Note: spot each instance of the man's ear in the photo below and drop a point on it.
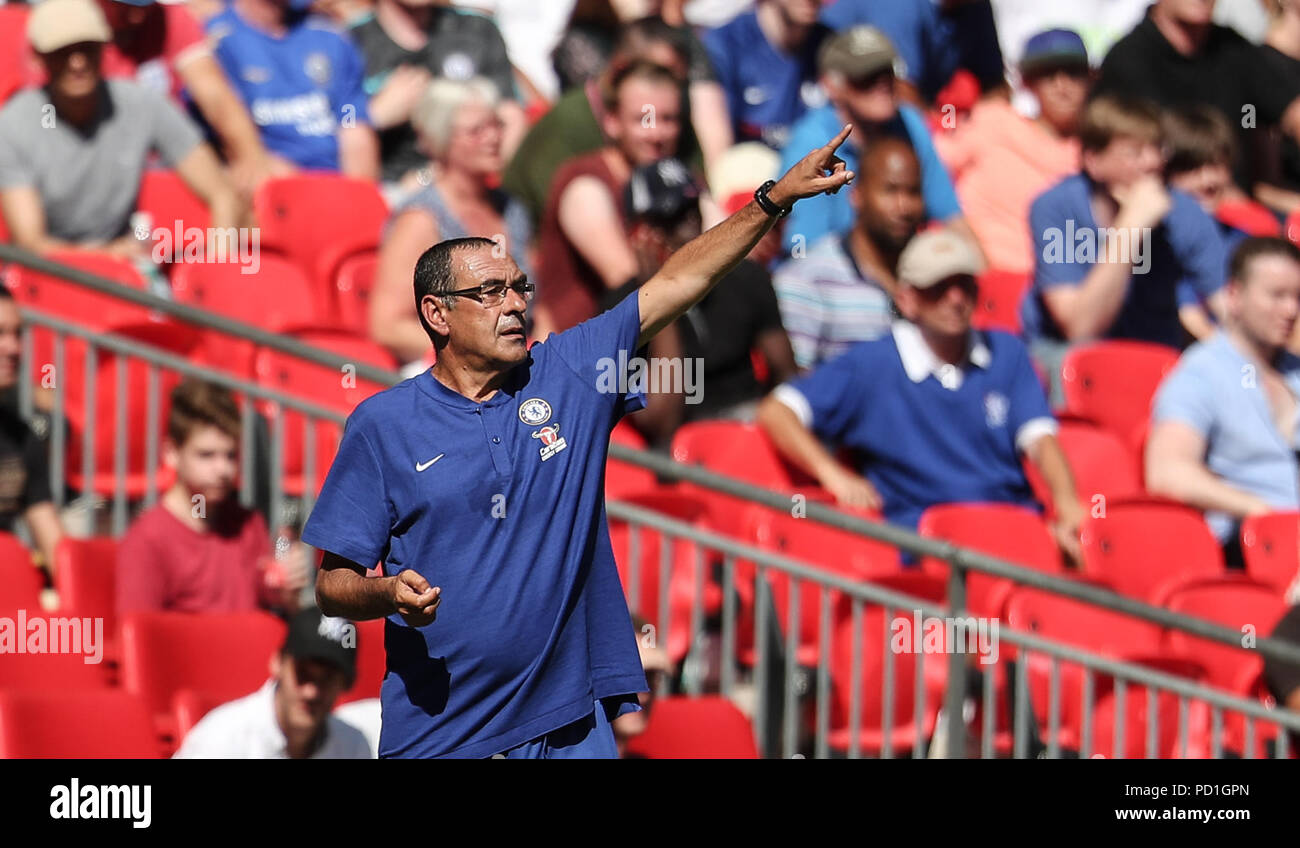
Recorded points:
(170, 454)
(274, 665)
(905, 299)
(609, 124)
(435, 313)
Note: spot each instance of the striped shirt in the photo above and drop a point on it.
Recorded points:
(827, 305)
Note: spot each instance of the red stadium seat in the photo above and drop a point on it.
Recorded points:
(167, 200)
(624, 478)
(1101, 462)
(1002, 530)
(998, 303)
(371, 662)
(830, 550)
(289, 213)
(676, 638)
(707, 727)
(224, 655)
(332, 388)
(1270, 545)
(353, 281)
(188, 709)
(1112, 383)
(106, 724)
(84, 574)
(56, 672)
(1145, 549)
(1293, 227)
(1249, 216)
(15, 54)
(1233, 602)
(20, 582)
(1137, 706)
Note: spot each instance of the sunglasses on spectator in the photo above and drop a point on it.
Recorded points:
(869, 82)
(937, 291)
(491, 294)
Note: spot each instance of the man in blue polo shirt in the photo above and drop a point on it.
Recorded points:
(1113, 244)
(302, 82)
(481, 480)
(940, 413)
(766, 62)
(858, 72)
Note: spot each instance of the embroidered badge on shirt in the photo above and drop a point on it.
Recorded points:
(552, 441)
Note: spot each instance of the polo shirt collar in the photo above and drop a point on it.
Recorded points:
(434, 388)
(920, 362)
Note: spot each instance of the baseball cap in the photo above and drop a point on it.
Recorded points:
(739, 170)
(660, 191)
(55, 24)
(313, 636)
(936, 255)
(858, 52)
(1051, 49)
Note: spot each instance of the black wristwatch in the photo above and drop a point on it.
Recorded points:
(766, 203)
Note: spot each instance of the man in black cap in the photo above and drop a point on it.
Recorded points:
(290, 716)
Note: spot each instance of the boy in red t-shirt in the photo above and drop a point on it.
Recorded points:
(198, 549)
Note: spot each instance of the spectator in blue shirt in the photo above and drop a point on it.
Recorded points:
(934, 39)
(766, 62)
(857, 71)
(841, 292)
(1113, 244)
(940, 413)
(1224, 422)
(301, 79)
(482, 478)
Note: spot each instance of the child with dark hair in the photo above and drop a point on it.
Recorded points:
(198, 549)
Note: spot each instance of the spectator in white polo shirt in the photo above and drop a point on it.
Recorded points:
(290, 716)
(939, 412)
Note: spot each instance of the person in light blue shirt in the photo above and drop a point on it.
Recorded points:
(301, 79)
(858, 72)
(1224, 423)
(478, 488)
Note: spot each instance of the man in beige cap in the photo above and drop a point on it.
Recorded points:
(72, 154)
(940, 412)
(859, 71)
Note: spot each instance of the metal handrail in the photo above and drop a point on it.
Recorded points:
(962, 558)
(192, 314)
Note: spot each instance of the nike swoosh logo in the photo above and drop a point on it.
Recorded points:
(420, 466)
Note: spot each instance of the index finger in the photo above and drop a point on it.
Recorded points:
(835, 143)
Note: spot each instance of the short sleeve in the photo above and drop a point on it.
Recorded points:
(701, 60)
(15, 167)
(496, 59)
(767, 311)
(1200, 247)
(834, 393)
(349, 97)
(351, 517)
(801, 310)
(1030, 412)
(37, 466)
(175, 136)
(1047, 217)
(141, 575)
(600, 350)
(936, 186)
(714, 42)
(184, 39)
(1186, 397)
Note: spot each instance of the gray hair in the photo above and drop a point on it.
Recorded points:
(435, 113)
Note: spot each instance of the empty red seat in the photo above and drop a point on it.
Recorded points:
(317, 219)
(1270, 546)
(60, 652)
(20, 582)
(1002, 530)
(1112, 383)
(107, 724)
(707, 727)
(624, 478)
(1235, 602)
(353, 281)
(168, 201)
(84, 574)
(339, 389)
(997, 306)
(1144, 549)
(1102, 463)
(224, 655)
(372, 663)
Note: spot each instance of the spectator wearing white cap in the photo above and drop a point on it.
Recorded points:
(940, 412)
(72, 154)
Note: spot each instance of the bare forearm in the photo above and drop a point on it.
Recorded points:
(343, 592)
(1049, 459)
(1194, 485)
(794, 441)
(1097, 301)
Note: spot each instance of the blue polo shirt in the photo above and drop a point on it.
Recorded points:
(1210, 391)
(929, 432)
(1185, 255)
(298, 88)
(500, 503)
(767, 89)
(816, 217)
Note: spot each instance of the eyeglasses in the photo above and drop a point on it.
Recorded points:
(491, 294)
